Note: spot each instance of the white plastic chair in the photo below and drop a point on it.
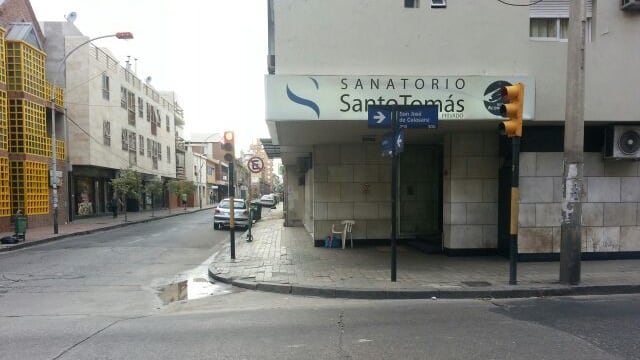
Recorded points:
(346, 231)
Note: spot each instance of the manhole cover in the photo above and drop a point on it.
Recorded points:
(476, 283)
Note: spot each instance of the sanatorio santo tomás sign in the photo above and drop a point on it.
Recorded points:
(311, 97)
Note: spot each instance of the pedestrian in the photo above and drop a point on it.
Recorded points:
(183, 197)
(114, 206)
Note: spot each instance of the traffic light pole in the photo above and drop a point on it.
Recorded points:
(513, 228)
(232, 194)
(394, 195)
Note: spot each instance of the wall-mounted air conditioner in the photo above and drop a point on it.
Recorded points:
(630, 4)
(622, 142)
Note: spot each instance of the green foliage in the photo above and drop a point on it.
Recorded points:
(178, 187)
(128, 184)
(154, 187)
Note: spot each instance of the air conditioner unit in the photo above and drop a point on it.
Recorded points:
(622, 142)
(630, 4)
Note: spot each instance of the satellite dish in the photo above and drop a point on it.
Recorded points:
(148, 79)
(71, 17)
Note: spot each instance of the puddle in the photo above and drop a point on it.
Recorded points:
(190, 285)
(190, 289)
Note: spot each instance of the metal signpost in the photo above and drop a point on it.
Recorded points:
(255, 165)
(399, 118)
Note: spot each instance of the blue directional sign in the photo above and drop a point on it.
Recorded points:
(379, 118)
(399, 141)
(418, 117)
(388, 142)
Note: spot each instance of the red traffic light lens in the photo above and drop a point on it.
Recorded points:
(228, 136)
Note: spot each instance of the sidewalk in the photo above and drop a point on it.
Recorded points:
(45, 234)
(284, 260)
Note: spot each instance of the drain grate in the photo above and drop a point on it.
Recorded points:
(476, 283)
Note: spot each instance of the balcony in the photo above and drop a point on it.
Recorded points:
(180, 146)
(180, 173)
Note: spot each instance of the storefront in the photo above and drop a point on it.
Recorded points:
(91, 191)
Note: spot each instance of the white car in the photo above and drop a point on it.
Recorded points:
(268, 201)
(240, 210)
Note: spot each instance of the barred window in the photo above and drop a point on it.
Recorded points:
(105, 86)
(106, 132)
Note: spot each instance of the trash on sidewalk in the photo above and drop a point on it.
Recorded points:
(332, 242)
(11, 239)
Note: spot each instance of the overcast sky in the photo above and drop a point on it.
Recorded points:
(212, 53)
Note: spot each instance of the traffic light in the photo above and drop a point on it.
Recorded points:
(513, 97)
(228, 146)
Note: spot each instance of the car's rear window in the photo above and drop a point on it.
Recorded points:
(237, 204)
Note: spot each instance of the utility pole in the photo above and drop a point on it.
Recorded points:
(572, 176)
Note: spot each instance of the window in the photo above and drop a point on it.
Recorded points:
(123, 97)
(140, 107)
(125, 139)
(438, 3)
(168, 154)
(141, 145)
(410, 4)
(106, 132)
(131, 108)
(168, 123)
(549, 20)
(105, 86)
(148, 147)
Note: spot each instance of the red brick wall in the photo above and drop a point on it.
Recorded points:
(19, 11)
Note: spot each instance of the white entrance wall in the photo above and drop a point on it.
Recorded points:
(351, 181)
(470, 186)
(609, 209)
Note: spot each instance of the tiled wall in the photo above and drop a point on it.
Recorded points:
(610, 215)
(351, 181)
(470, 185)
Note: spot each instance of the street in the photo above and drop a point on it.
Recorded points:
(141, 292)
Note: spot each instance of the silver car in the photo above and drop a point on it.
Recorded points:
(240, 211)
(268, 201)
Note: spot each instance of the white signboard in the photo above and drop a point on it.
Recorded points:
(310, 97)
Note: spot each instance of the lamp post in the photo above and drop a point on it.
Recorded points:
(204, 153)
(54, 163)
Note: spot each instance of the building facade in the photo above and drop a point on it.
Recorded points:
(26, 113)
(330, 60)
(114, 120)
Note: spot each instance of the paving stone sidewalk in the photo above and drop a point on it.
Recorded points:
(283, 259)
(42, 234)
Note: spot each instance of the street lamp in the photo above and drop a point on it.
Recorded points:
(54, 164)
(204, 152)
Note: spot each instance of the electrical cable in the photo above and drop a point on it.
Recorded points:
(510, 4)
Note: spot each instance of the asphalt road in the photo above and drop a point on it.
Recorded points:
(117, 295)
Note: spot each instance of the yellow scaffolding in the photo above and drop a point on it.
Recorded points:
(5, 197)
(25, 68)
(3, 66)
(30, 187)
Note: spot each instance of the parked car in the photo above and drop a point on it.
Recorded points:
(268, 201)
(222, 211)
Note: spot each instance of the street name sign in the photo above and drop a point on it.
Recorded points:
(418, 117)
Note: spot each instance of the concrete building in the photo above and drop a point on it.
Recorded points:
(210, 145)
(114, 119)
(331, 59)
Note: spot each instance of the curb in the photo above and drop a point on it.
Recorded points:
(405, 294)
(91, 231)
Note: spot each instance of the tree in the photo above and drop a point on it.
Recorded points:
(182, 189)
(154, 188)
(127, 186)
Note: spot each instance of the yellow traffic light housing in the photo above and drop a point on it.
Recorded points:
(228, 146)
(512, 108)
